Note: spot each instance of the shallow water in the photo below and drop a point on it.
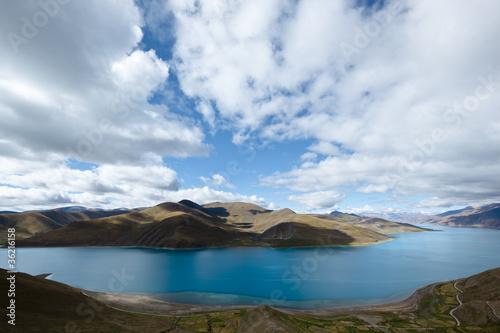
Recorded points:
(304, 278)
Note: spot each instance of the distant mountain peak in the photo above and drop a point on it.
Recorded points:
(8, 212)
(458, 211)
(285, 210)
(487, 216)
(191, 204)
(336, 212)
(72, 208)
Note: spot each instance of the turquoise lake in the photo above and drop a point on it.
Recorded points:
(305, 278)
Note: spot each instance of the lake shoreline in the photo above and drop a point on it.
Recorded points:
(202, 248)
(144, 305)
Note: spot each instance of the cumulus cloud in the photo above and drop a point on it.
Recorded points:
(334, 172)
(50, 184)
(254, 60)
(217, 181)
(80, 87)
(320, 200)
(402, 97)
(411, 108)
(325, 148)
(75, 85)
(309, 156)
(19, 199)
(206, 195)
(274, 205)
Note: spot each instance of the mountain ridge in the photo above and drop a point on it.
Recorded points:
(487, 216)
(336, 212)
(31, 223)
(186, 224)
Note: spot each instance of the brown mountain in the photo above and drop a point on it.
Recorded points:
(189, 225)
(285, 228)
(28, 224)
(169, 225)
(487, 216)
(373, 223)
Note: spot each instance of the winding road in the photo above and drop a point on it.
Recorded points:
(498, 277)
(493, 309)
(488, 302)
(460, 303)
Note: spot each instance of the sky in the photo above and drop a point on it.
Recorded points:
(317, 105)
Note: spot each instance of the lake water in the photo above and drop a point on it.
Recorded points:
(305, 278)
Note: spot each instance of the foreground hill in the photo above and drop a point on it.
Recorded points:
(487, 216)
(189, 225)
(48, 306)
(336, 212)
(28, 224)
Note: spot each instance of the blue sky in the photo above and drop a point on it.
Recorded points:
(361, 106)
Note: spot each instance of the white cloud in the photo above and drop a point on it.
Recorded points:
(320, 200)
(383, 118)
(287, 78)
(142, 69)
(217, 180)
(366, 210)
(309, 156)
(333, 172)
(206, 195)
(80, 87)
(50, 184)
(436, 202)
(325, 148)
(274, 205)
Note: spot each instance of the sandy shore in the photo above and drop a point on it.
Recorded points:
(144, 305)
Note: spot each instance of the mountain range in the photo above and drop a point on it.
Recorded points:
(31, 223)
(336, 212)
(487, 216)
(188, 225)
